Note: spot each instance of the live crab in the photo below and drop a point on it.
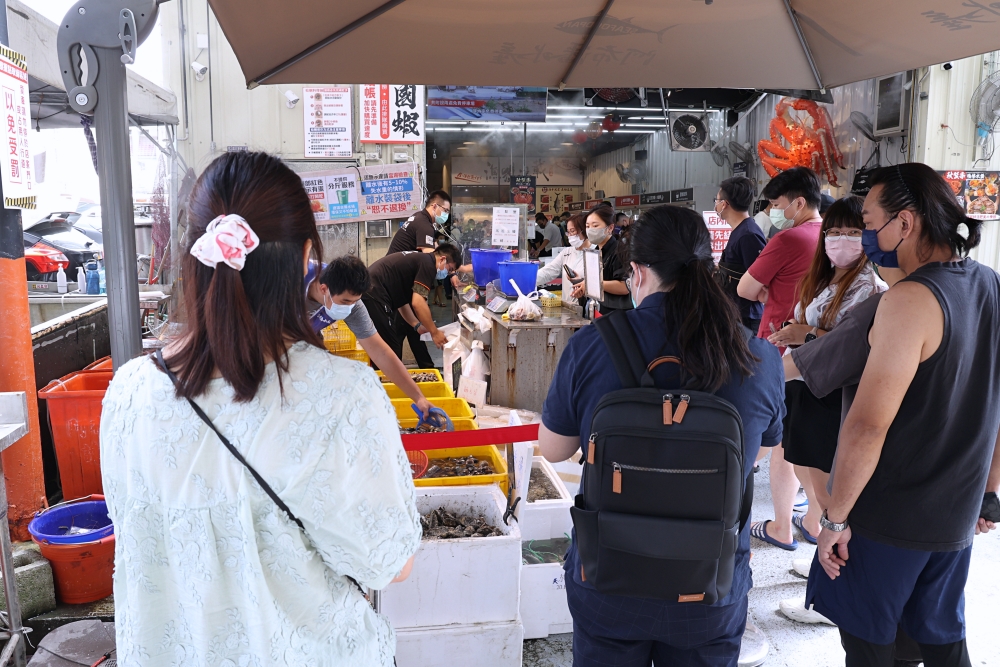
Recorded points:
(810, 145)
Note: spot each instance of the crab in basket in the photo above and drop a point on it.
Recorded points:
(810, 140)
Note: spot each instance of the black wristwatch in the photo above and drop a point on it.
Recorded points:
(991, 507)
(812, 335)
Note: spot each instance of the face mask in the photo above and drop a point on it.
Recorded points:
(441, 218)
(337, 311)
(843, 251)
(632, 292)
(884, 258)
(575, 241)
(596, 236)
(441, 274)
(778, 218)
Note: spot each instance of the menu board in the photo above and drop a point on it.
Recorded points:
(327, 122)
(976, 192)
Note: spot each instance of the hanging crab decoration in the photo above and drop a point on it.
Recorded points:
(810, 141)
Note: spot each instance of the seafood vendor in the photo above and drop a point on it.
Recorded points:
(339, 290)
(400, 286)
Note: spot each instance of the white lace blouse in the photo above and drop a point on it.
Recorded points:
(866, 284)
(208, 570)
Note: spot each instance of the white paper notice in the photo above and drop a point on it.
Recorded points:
(505, 224)
(327, 122)
(16, 166)
(474, 391)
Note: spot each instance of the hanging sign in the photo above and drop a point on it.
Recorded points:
(369, 193)
(392, 114)
(651, 198)
(977, 192)
(626, 201)
(16, 170)
(719, 230)
(327, 122)
(522, 191)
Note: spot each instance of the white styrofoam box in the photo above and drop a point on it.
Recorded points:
(470, 580)
(544, 610)
(569, 472)
(479, 644)
(547, 519)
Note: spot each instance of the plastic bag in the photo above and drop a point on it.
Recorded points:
(523, 309)
(453, 351)
(477, 366)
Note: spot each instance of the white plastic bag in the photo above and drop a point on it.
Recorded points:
(454, 350)
(476, 366)
(523, 309)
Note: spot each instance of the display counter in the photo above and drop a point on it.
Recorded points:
(524, 355)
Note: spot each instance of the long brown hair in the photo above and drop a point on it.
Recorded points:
(844, 212)
(238, 319)
(579, 223)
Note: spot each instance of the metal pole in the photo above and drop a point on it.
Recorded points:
(118, 219)
(524, 147)
(10, 580)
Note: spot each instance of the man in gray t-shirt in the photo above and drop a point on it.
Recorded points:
(337, 288)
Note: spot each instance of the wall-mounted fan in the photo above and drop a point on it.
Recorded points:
(615, 95)
(984, 107)
(719, 154)
(689, 132)
(631, 173)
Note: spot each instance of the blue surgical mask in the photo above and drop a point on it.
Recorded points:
(337, 311)
(441, 274)
(887, 259)
(441, 218)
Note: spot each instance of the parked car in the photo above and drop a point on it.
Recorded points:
(52, 241)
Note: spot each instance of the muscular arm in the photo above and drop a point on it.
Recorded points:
(896, 351)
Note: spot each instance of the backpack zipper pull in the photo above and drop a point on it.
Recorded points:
(668, 409)
(682, 408)
(590, 448)
(616, 479)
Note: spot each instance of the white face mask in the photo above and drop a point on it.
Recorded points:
(597, 235)
(575, 241)
(338, 311)
(778, 218)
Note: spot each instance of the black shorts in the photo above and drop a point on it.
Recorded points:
(811, 426)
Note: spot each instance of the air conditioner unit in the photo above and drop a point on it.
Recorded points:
(892, 104)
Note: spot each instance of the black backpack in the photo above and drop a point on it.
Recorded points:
(664, 497)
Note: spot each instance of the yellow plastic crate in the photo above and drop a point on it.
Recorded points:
(460, 424)
(489, 452)
(453, 407)
(431, 390)
(415, 371)
(338, 338)
(357, 354)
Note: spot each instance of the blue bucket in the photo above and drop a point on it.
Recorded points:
(523, 273)
(484, 263)
(59, 524)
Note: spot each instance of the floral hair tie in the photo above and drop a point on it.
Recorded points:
(227, 239)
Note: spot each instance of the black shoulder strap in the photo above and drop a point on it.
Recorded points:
(239, 457)
(619, 338)
(747, 502)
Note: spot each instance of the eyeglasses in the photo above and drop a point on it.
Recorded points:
(838, 232)
(717, 200)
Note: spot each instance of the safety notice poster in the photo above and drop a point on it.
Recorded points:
(327, 121)
(16, 168)
(382, 192)
(392, 114)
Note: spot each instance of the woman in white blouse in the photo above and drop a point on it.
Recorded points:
(571, 257)
(212, 566)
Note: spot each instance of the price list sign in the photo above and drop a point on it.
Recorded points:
(327, 122)
(15, 171)
(976, 192)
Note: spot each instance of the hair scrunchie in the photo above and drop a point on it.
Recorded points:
(227, 239)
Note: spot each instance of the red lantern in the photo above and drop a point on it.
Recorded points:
(594, 130)
(611, 122)
(579, 137)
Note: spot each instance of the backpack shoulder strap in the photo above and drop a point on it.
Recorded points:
(619, 338)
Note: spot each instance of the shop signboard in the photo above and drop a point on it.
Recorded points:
(391, 114)
(520, 104)
(627, 201)
(719, 230)
(327, 122)
(679, 196)
(740, 169)
(652, 198)
(522, 191)
(368, 193)
(976, 192)
(591, 203)
(576, 206)
(16, 171)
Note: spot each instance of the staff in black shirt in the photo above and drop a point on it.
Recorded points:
(600, 230)
(401, 283)
(418, 232)
(732, 204)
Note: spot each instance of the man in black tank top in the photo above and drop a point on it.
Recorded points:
(918, 459)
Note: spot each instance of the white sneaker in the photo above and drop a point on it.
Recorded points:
(801, 566)
(753, 647)
(796, 611)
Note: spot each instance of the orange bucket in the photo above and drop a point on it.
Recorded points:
(82, 572)
(74, 405)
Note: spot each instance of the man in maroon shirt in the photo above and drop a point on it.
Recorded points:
(773, 280)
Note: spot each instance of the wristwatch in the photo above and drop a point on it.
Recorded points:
(812, 334)
(829, 525)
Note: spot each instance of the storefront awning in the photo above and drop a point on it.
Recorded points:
(34, 36)
(805, 44)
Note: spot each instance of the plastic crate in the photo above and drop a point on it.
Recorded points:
(430, 390)
(74, 407)
(460, 424)
(102, 364)
(415, 371)
(453, 407)
(338, 338)
(357, 354)
(490, 452)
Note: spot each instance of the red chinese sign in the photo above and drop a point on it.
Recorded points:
(18, 186)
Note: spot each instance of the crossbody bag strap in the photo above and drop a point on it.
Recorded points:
(239, 457)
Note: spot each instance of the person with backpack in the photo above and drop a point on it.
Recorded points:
(670, 403)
